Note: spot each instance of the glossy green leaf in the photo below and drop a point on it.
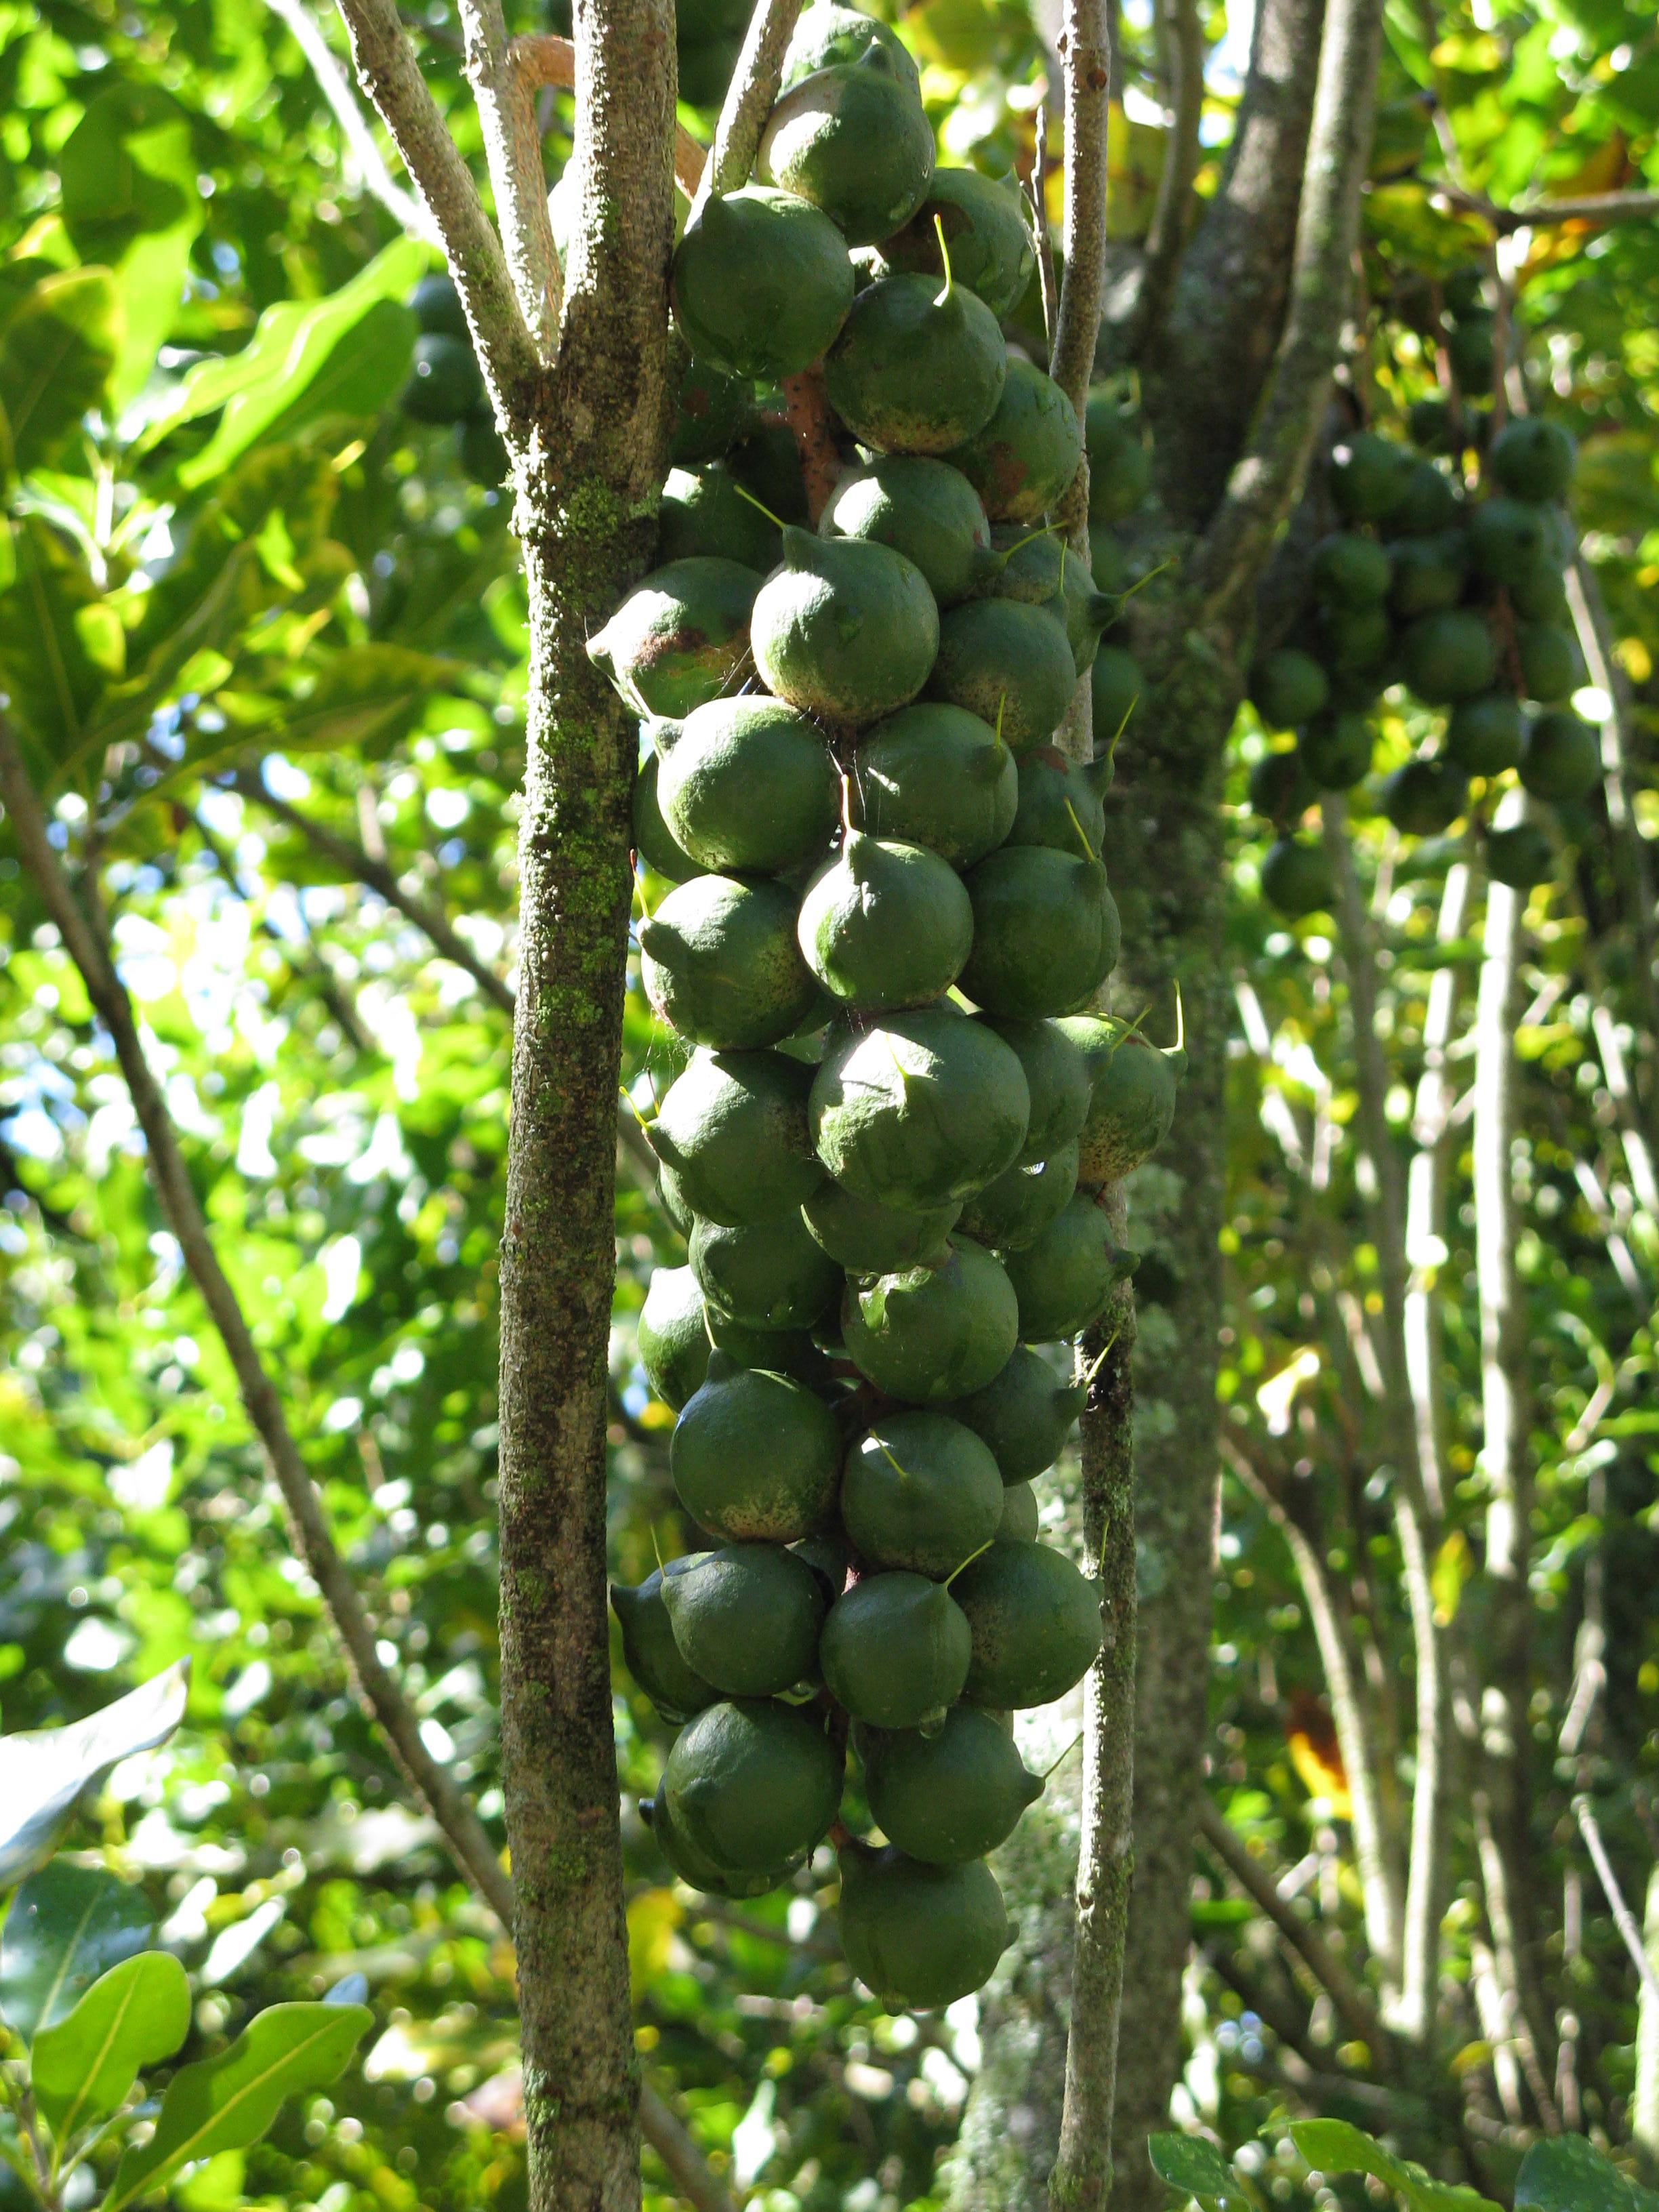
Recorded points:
(45, 1773)
(290, 347)
(68, 1925)
(130, 202)
(364, 372)
(53, 680)
(226, 2102)
(134, 2016)
(1567, 2174)
(1337, 2147)
(57, 352)
(1191, 2164)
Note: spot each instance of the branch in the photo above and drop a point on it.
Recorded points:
(1425, 1195)
(748, 99)
(1353, 2007)
(1509, 1868)
(390, 76)
(687, 2167)
(319, 974)
(1166, 235)
(1597, 207)
(1081, 2180)
(1372, 1082)
(541, 57)
(1265, 481)
(1413, 2013)
(1072, 361)
(813, 426)
(469, 1845)
(1619, 754)
(356, 864)
(378, 180)
(1229, 298)
(1623, 1918)
(1378, 1876)
(513, 150)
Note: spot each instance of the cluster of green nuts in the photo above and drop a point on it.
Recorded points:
(888, 921)
(1462, 601)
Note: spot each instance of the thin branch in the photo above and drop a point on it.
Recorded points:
(378, 180)
(1425, 1195)
(1379, 1878)
(470, 1847)
(1353, 2007)
(1084, 51)
(1266, 479)
(513, 150)
(748, 99)
(541, 57)
(1081, 2180)
(1166, 235)
(1623, 1918)
(687, 2167)
(1594, 209)
(1036, 201)
(390, 76)
(319, 973)
(1412, 2012)
(813, 426)
(1621, 757)
(1372, 1083)
(355, 863)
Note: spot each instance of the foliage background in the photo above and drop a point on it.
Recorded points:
(304, 596)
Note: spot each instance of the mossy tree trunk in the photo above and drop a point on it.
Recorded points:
(586, 518)
(575, 361)
(1164, 853)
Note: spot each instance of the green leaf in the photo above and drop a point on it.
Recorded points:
(1337, 2147)
(366, 694)
(53, 680)
(45, 1773)
(224, 2103)
(68, 1924)
(130, 201)
(57, 352)
(1195, 2166)
(1567, 2174)
(363, 374)
(133, 2016)
(291, 344)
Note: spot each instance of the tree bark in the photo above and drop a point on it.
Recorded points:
(587, 492)
(1165, 850)
(1227, 303)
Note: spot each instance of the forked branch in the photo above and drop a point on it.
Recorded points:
(513, 150)
(391, 77)
(1268, 475)
(541, 57)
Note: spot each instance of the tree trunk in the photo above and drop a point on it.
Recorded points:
(1164, 848)
(586, 518)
